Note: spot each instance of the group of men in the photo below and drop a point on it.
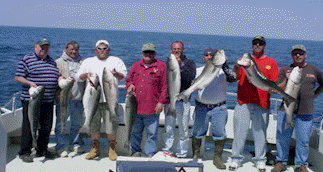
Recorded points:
(147, 80)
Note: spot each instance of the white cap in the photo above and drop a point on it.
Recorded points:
(102, 42)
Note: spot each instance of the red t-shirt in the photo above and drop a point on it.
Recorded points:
(150, 85)
(248, 93)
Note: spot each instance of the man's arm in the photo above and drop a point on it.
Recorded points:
(24, 81)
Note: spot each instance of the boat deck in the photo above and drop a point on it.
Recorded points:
(76, 162)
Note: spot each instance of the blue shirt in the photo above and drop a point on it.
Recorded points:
(43, 72)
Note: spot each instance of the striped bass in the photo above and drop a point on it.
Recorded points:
(36, 94)
(258, 79)
(64, 96)
(210, 70)
(91, 100)
(130, 112)
(292, 88)
(174, 81)
(110, 89)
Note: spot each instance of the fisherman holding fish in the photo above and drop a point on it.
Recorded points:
(311, 85)
(106, 71)
(147, 80)
(211, 107)
(69, 101)
(38, 74)
(253, 103)
(179, 110)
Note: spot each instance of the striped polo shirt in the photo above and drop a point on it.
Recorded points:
(41, 72)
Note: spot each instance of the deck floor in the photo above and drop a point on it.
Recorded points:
(103, 164)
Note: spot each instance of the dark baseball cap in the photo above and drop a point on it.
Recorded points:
(261, 38)
(43, 41)
(209, 51)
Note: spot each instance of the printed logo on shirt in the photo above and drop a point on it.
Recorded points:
(268, 67)
(310, 76)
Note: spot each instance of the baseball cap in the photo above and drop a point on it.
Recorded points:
(102, 42)
(209, 51)
(259, 38)
(43, 41)
(148, 47)
(299, 47)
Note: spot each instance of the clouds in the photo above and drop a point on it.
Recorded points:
(185, 17)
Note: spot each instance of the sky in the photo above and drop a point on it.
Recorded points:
(280, 19)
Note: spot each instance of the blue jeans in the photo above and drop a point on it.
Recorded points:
(183, 116)
(65, 138)
(243, 114)
(151, 123)
(218, 117)
(303, 127)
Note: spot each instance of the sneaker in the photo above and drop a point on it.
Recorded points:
(136, 154)
(79, 149)
(64, 154)
(234, 166)
(26, 158)
(279, 167)
(49, 155)
(261, 166)
(301, 169)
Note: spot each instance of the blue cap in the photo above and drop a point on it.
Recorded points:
(209, 51)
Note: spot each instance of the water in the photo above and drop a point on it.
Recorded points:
(15, 42)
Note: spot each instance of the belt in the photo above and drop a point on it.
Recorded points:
(211, 106)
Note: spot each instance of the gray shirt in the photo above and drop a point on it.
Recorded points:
(312, 77)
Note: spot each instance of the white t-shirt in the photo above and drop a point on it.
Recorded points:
(216, 91)
(95, 65)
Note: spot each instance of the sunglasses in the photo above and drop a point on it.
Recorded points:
(301, 53)
(148, 52)
(101, 49)
(258, 42)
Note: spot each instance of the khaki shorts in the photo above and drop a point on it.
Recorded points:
(102, 121)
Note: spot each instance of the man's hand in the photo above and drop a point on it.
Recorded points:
(159, 107)
(116, 74)
(131, 89)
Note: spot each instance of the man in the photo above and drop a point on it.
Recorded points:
(252, 104)
(211, 107)
(148, 81)
(68, 65)
(95, 66)
(188, 72)
(37, 69)
(303, 118)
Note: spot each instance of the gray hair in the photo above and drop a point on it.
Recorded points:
(73, 43)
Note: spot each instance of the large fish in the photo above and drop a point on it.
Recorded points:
(292, 88)
(110, 89)
(210, 70)
(174, 81)
(130, 112)
(36, 94)
(91, 100)
(64, 95)
(258, 79)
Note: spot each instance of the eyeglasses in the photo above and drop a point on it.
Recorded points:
(301, 53)
(208, 54)
(102, 49)
(148, 52)
(258, 42)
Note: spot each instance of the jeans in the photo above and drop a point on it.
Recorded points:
(45, 122)
(69, 138)
(182, 116)
(243, 114)
(303, 127)
(151, 123)
(218, 117)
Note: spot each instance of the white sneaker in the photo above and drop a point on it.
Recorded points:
(79, 149)
(64, 154)
(234, 166)
(261, 166)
